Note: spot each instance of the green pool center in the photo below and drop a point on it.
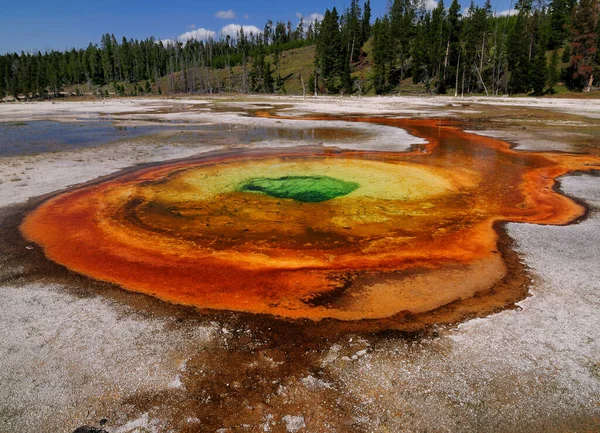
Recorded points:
(312, 189)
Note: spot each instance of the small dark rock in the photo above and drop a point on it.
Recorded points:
(88, 429)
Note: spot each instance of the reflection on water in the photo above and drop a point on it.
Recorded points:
(27, 138)
(300, 134)
(32, 137)
(257, 134)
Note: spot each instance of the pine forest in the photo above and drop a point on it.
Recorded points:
(447, 50)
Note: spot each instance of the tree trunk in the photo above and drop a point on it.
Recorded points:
(352, 50)
(482, 51)
(457, 69)
(480, 78)
(447, 54)
(244, 89)
(588, 87)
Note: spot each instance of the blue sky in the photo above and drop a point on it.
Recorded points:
(63, 24)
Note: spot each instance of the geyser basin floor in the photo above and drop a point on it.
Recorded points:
(67, 359)
(415, 233)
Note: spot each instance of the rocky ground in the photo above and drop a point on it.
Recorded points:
(75, 352)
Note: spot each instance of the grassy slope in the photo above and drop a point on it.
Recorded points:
(296, 63)
(292, 64)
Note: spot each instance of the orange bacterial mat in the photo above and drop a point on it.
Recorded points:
(312, 233)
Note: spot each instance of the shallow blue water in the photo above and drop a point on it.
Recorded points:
(27, 138)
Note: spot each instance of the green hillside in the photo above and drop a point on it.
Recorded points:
(410, 50)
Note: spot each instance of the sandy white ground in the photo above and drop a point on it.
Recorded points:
(65, 358)
(503, 372)
(67, 361)
(329, 105)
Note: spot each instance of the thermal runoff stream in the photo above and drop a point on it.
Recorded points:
(400, 239)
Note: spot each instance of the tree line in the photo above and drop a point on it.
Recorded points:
(338, 47)
(482, 52)
(188, 67)
(528, 51)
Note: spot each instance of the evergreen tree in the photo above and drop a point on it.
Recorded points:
(299, 33)
(438, 43)
(281, 34)
(41, 82)
(25, 75)
(366, 22)
(125, 60)
(519, 49)
(108, 58)
(453, 48)
(553, 72)
(3, 75)
(476, 43)
(13, 82)
(352, 32)
(584, 44)
(243, 47)
(382, 55)
(402, 17)
(539, 71)
(420, 48)
(261, 76)
(566, 55)
(330, 56)
(268, 32)
(268, 81)
(560, 20)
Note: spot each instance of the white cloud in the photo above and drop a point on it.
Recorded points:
(506, 12)
(314, 17)
(226, 15)
(198, 34)
(430, 5)
(166, 42)
(233, 29)
(298, 15)
(192, 26)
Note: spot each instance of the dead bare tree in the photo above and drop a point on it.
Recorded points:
(359, 83)
(303, 88)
